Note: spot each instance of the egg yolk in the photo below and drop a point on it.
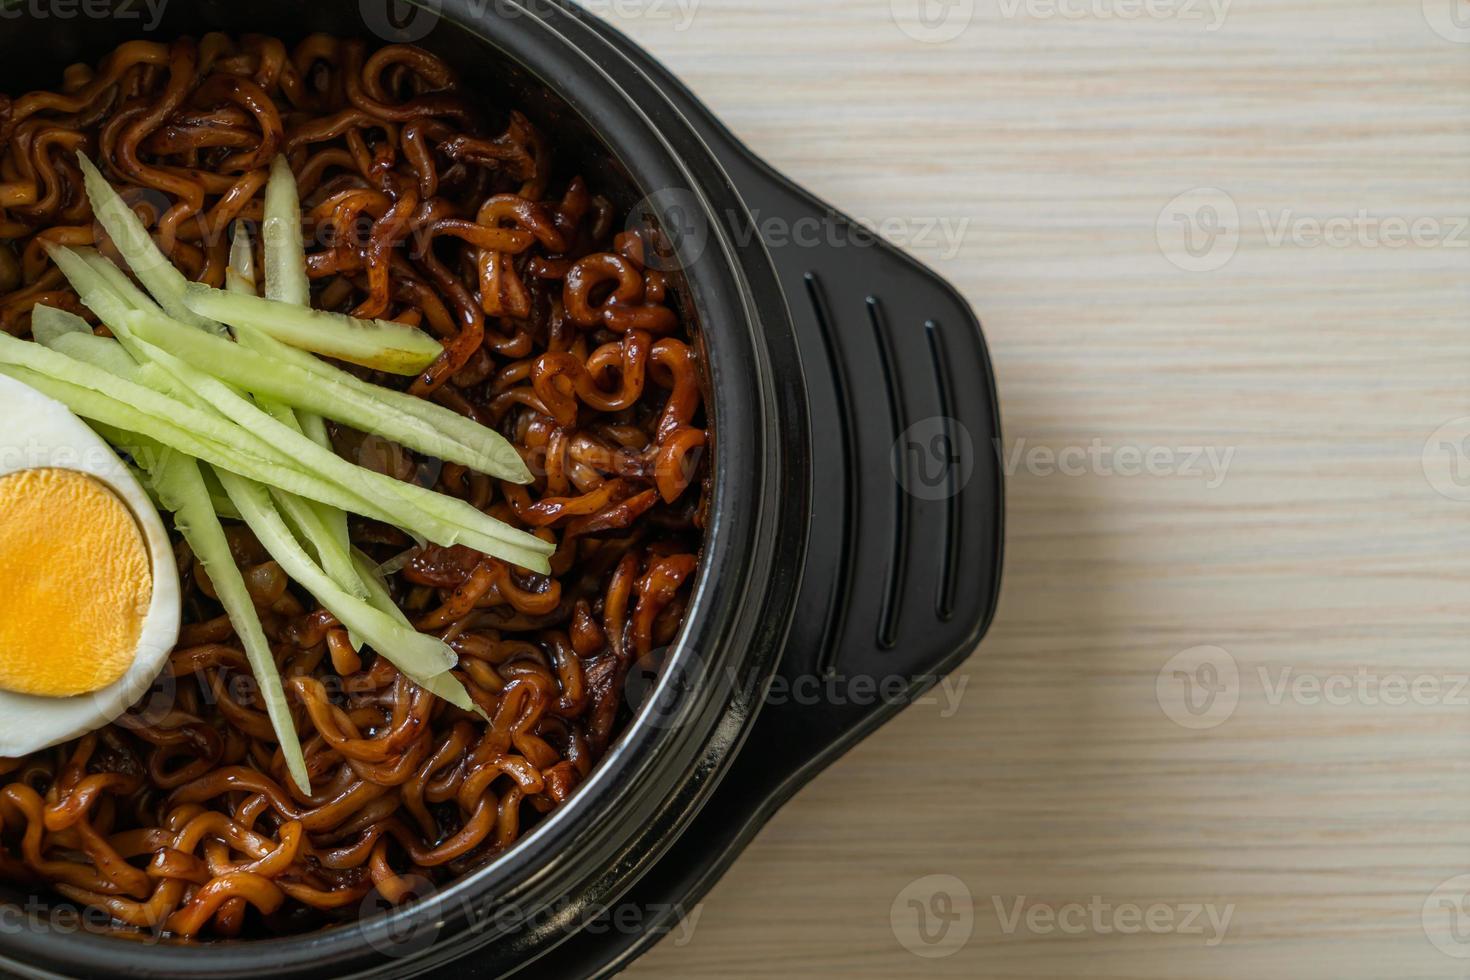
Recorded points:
(75, 584)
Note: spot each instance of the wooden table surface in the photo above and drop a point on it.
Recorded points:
(1220, 726)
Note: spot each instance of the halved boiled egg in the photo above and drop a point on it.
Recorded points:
(89, 592)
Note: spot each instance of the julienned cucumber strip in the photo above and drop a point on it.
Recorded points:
(67, 333)
(240, 278)
(173, 421)
(104, 289)
(383, 345)
(128, 445)
(150, 265)
(223, 505)
(48, 323)
(285, 263)
(147, 453)
(434, 515)
(373, 411)
(286, 280)
(182, 489)
(118, 281)
(324, 528)
(416, 654)
(242, 264)
(501, 458)
(95, 292)
(307, 520)
(285, 248)
(282, 234)
(333, 520)
(445, 686)
(442, 519)
(312, 425)
(480, 448)
(98, 407)
(100, 352)
(407, 420)
(104, 278)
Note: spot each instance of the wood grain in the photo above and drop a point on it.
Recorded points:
(1324, 551)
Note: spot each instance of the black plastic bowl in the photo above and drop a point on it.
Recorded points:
(820, 364)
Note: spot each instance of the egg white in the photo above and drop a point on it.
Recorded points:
(44, 433)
